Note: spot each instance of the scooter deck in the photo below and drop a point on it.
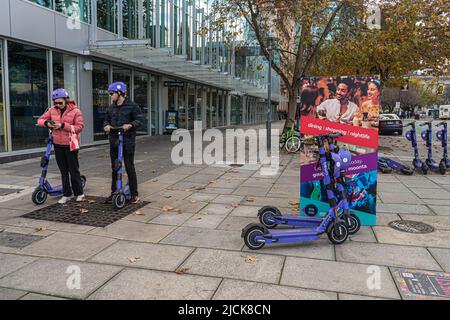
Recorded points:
(290, 235)
(299, 221)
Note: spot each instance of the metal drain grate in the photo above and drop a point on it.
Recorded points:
(92, 212)
(411, 226)
(17, 240)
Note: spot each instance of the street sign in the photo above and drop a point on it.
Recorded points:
(176, 84)
(397, 105)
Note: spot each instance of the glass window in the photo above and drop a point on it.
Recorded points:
(208, 108)
(191, 105)
(74, 8)
(130, 17)
(198, 116)
(155, 106)
(124, 75)
(148, 20)
(100, 103)
(44, 3)
(221, 110)
(28, 94)
(182, 107)
(65, 73)
(214, 107)
(236, 110)
(3, 127)
(106, 15)
(141, 98)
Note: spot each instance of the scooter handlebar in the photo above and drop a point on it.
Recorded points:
(425, 124)
(441, 124)
(412, 124)
(116, 129)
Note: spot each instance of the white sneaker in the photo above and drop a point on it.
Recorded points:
(81, 198)
(63, 200)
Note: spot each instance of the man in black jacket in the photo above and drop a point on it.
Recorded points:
(126, 114)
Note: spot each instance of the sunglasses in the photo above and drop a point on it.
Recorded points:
(112, 93)
(58, 103)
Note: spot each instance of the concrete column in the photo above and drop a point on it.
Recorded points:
(204, 102)
(85, 101)
(228, 109)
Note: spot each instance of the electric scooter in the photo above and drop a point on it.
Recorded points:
(257, 235)
(441, 135)
(411, 136)
(271, 217)
(394, 165)
(383, 167)
(122, 193)
(427, 136)
(39, 195)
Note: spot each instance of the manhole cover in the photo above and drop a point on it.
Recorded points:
(17, 240)
(411, 226)
(6, 191)
(92, 212)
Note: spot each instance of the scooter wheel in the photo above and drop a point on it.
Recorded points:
(39, 196)
(424, 169)
(83, 181)
(407, 171)
(338, 233)
(119, 200)
(265, 214)
(250, 235)
(353, 224)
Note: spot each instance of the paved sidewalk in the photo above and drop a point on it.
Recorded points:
(196, 252)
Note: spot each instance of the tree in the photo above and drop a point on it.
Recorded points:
(299, 29)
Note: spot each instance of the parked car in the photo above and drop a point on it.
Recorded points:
(390, 123)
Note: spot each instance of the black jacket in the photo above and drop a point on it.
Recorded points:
(128, 113)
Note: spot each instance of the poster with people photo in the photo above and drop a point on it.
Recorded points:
(350, 106)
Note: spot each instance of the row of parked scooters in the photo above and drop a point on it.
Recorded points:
(387, 165)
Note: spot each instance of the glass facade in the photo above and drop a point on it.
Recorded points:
(141, 90)
(65, 73)
(182, 109)
(100, 97)
(3, 125)
(28, 94)
(191, 105)
(107, 15)
(155, 123)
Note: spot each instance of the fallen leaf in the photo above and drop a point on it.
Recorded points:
(181, 270)
(154, 180)
(138, 213)
(84, 210)
(167, 196)
(250, 200)
(199, 188)
(133, 259)
(235, 205)
(197, 218)
(177, 210)
(213, 181)
(294, 202)
(38, 229)
(167, 208)
(91, 201)
(204, 213)
(250, 259)
(193, 201)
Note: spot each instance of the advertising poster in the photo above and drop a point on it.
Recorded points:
(351, 106)
(171, 120)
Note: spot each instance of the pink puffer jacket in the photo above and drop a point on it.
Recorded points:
(72, 116)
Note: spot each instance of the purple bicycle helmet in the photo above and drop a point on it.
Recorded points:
(60, 94)
(117, 87)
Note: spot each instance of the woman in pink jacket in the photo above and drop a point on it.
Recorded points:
(61, 118)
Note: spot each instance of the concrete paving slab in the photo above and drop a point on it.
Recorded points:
(54, 275)
(387, 178)
(438, 238)
(206, 238)
(245, 211)
(267, 201)
(215, 190)
(190, 206)
(441, 210)
(345, 296)
(205, 197)
(365, 234)
(185, 170)
(68, 246)
(157, 285)
(145, 214)
(391, 187)
(200, 178)
(149, 255)
(336, 276)
(438, 222)
(423, 183)
(11, 294)
(236, 223)
(442, 256)
(246, 290)
(402, 208)
(201, 220)
(387, 255)
(399, 197)
(258, 182)
(252, 191)
(172, 218)
(217, 209)
(440, 180)
(136, 231)
(319, 249)
(228, 199)
(10, 263)
(431, 193)
(36, 296)
(384, 218)
(228, 264)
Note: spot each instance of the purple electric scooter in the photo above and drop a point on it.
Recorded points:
(257, 235)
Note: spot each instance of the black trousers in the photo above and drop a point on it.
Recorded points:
(68, 165)
(128, 159)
